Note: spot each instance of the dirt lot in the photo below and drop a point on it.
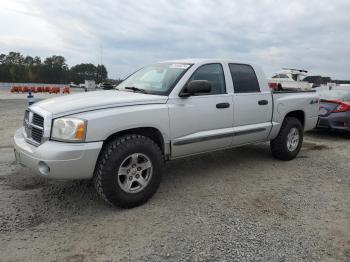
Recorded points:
(234, 205)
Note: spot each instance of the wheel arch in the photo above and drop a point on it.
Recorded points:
(150, 132)
(298, 114)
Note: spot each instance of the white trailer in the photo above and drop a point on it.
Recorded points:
(90, 85)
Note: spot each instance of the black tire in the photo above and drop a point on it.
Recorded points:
(347, 135)
(279, 146)
(110, 160)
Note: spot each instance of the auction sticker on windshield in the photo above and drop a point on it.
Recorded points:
(179, 66)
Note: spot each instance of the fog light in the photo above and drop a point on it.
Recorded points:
(43, 168)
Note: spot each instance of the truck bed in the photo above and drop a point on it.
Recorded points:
(305, 101)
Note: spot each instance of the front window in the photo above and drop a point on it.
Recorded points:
(295, 77)
(214, 74)
(158, 79)
(280, 76)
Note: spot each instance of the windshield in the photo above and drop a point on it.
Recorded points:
(335, 94)
(157, 79)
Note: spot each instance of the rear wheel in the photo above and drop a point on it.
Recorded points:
(129, 170)
(287, 144)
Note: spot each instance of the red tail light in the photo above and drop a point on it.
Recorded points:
(341, 107)
(273, 85)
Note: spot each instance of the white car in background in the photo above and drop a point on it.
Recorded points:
(289, 79)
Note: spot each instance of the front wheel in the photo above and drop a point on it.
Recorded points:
(287, 144)
(129, 170)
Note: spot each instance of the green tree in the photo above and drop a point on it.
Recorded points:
(101, 73)
(2, 58)
(14, 67)
(14, 58)
(28, 61)
(37, 60)
(81, 72)
(55, 70)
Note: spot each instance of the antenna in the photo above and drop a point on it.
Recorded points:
(101, 52)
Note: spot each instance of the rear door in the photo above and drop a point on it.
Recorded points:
(252, 107)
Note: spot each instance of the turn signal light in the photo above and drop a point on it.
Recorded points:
(79, 134)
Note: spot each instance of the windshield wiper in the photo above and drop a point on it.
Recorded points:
(135, 89)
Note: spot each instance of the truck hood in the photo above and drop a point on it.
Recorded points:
(77, 103)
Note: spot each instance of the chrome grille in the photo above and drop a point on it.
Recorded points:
(37, 134)
(34, 127)
(38, 120)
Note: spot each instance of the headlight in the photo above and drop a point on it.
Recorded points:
(69, 129)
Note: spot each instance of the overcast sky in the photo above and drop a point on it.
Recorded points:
(307, 34)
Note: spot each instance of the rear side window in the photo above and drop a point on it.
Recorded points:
(244, 79)
(214, 74)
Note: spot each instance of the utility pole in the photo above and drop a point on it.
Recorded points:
(101, 53)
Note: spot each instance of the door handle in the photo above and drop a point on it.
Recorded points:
(223, 105)
(263, 102)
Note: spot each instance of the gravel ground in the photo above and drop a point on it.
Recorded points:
(233, 205)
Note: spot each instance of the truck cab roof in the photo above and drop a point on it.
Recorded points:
(206, 61)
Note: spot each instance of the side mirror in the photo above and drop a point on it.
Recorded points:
(195, 87)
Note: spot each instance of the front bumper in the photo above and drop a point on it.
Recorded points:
(57, 160)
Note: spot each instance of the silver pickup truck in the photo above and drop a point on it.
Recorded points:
(121, 138)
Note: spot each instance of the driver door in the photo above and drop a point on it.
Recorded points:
(202, 122)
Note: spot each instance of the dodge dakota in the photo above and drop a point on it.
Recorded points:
(121, 138)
